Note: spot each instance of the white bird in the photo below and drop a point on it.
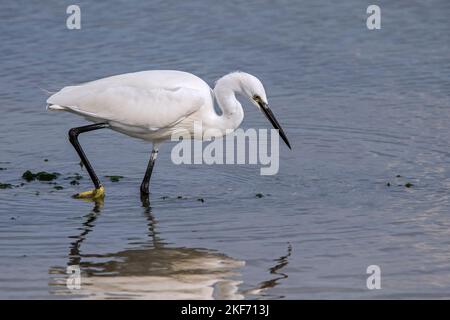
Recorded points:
(153, 105)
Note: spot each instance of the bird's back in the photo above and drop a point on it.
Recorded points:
(147, 100)
(154, 79)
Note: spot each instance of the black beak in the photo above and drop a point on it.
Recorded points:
(268, 113)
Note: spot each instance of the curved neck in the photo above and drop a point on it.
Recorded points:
(225, 93)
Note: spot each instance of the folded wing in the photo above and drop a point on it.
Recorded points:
(147, 108)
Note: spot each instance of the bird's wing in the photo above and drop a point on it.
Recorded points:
(149, 108)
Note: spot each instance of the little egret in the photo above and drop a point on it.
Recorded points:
(153, 105)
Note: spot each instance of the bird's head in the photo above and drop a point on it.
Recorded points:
(253, 89)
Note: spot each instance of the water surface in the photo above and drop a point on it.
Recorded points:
(359, 107)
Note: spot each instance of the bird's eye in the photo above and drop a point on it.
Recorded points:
(257, 98)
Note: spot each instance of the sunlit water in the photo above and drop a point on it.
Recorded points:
(359, 107)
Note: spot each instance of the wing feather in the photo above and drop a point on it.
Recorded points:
(150, 108)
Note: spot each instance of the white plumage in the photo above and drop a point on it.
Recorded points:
(142, 104)
(154, 105)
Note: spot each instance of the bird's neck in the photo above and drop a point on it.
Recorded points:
(225, 93)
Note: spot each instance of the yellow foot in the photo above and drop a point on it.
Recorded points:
(94, 194)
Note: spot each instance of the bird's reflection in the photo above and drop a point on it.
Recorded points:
(156, 271)
(281, 262)
(88, 224)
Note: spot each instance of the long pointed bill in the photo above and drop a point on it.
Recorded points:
(268, 113)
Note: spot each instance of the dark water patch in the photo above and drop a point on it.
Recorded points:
(114, 178)
(6, 186)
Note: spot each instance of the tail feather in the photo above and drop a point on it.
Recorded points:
(55, 107)
(50, 106)
(47, 91)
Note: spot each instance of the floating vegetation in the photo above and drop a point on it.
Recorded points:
(45, 160)
(46, 176)
(6, 186)
(74, 179)
(259, 195)
(76, 176)
(40, 176)
(401, 184)
(28, 175)
(201, 200)
(2, 169)
(164, 197)
(114, 178)
(58, 187)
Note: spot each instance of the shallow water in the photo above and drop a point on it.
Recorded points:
(359, 107)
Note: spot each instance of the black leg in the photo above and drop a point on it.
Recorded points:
(73, 138)
(145, 200)
(148, 173)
